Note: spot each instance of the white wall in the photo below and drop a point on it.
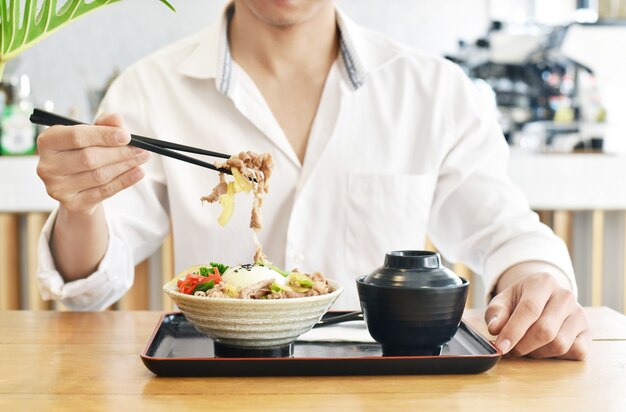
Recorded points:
(84, 54)
(540, 11)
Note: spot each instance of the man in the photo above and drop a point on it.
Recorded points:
(374, 145)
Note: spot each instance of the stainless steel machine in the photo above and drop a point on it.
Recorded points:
(557, 88)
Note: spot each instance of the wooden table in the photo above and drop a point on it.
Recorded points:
(90, 361)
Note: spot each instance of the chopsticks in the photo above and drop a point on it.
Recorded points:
(162, 147)
(333, 320)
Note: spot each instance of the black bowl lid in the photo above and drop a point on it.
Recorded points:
(413, 269)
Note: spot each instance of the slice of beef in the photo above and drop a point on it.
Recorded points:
(216, 292)
(258, 290)
(218, 190)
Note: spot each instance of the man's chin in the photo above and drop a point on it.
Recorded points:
(281, 22)
(285, 13)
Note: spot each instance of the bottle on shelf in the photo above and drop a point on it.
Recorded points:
(18, 133)
(3, 99)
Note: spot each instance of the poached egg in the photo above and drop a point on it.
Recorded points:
(245, 275)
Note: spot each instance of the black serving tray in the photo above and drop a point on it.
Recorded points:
(176, 348)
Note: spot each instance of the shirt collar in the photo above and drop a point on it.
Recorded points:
(211, 57)
(350, 47)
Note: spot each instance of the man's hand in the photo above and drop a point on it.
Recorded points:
(83, 165)
(537, 316)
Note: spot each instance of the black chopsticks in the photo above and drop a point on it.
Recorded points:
(44, 118)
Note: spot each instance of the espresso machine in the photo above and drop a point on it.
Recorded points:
(533, 82)
(559, 87)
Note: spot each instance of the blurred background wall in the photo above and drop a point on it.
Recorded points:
(84, 55)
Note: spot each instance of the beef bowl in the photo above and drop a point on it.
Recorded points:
(258, 320)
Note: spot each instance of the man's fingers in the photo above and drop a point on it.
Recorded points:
(91, 158)
(105, 174)
(499, 310)
(548, 327)
(110, 119)
(563, 342)
(98, 194)
(82, 165)
(580, 348)
(61, 138)
(534, 296)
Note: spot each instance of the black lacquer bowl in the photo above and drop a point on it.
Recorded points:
(413, 304)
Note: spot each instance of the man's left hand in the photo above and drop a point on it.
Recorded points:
(538, 317)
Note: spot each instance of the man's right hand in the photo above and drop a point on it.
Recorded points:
(83, 165)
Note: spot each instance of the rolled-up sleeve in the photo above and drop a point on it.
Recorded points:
(137, 221)
(113, 277)
(479, 217)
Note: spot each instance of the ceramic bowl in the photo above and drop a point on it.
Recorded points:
(412, 305)
(239, 326)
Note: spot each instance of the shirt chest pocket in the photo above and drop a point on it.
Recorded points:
(385, 212)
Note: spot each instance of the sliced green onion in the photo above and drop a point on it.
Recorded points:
(203, 287)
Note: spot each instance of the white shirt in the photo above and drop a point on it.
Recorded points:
(401, 147)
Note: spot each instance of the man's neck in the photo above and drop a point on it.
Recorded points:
(305, 49)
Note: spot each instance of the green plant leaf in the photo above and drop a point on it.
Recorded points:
(21, 28)
(168, 5)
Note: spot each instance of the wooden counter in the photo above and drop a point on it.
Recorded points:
(90, 361)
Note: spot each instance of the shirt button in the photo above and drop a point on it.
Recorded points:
(298, 258)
